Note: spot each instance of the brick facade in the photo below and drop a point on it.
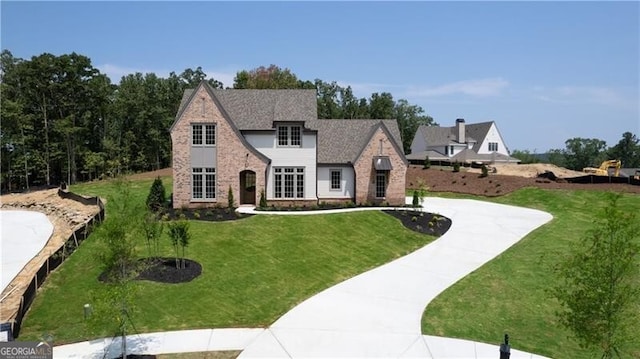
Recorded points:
(365, 172)
(233, 156)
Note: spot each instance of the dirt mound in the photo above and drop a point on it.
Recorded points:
(469, 182)
(531, 170)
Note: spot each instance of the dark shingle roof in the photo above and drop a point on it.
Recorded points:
(341, 141)
(259, 109)
(439, 136)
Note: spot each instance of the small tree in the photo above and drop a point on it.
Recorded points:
(484, 171)
(157, 197)
(422, 192)
(599, 289)
(427, 163)
(456, 166)
(231, 202)
(153, 229)
(179, 236)
(416, 199)
(263, 199)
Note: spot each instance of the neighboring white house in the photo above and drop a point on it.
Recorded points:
(464, 143)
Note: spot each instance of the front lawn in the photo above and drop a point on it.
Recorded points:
(254, 270)
(509, 294)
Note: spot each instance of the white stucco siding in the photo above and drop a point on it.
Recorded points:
(346, 185)
(493, 136)
(304, 156)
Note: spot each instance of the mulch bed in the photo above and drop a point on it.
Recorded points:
(203, 214)
(163, 270)
(422, 222)
(437, 180)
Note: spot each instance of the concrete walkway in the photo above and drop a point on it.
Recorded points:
(378, 313)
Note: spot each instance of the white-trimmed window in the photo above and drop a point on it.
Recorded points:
(335, 177)
(203, 183)
(493, 146)
(289, 136)
(203, 134)
(288, 182)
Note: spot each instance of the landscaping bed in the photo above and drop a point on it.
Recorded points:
(422, 222)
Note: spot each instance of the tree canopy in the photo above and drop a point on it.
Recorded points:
(63, 120)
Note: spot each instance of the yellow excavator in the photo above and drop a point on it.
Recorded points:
(603, 170)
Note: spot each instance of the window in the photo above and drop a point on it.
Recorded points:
(202, 134)
(203, 184)
(446, 150)
(288, 182)
(336, 180)
(381, 184)
(289, 136)
(493, 146)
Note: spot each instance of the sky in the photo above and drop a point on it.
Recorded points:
(544, 71)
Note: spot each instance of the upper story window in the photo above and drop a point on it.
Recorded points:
(203, 135)
(289, 136)
(493, 146)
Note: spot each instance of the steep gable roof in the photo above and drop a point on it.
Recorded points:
(342, 141)
(478, 131)
(259, 109)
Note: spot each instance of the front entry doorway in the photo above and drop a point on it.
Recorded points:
(247, 187)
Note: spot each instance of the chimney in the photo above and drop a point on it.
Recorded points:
(460, 131)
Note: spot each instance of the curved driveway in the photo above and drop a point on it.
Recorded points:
(378, 313)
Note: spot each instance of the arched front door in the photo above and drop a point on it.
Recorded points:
(247, 187)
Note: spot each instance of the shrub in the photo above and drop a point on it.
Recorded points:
(414, 219)
(157, 197)
(416, 198)
(427, 163)
(485, 171)
(263, 199)
(456, 167)
(230, 200)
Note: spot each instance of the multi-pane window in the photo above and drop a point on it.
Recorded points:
(202, 134)
(381, 184)
(289, 136)
(336, 180)
(196, 134)
(203, 183)
(493, 146)
(288, 182)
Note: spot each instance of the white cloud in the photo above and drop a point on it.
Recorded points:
(583, 94)
(477, 88)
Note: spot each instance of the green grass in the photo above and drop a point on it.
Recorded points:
(254, 270)
(510, 293)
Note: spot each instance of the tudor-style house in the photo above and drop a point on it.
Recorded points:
(463, 143)
(272, 141)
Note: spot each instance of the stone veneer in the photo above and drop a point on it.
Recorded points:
(233, 155)
(366, 173)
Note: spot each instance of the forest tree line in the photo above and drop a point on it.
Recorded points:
(65, 121)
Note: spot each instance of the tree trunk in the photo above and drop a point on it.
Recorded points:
(46, 140)
(26, 166)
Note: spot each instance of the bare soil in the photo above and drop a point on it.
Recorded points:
(468, 181)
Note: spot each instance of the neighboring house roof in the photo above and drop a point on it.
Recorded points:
(478, 131)
(342, 141)
(441, 136)
(433, 156)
